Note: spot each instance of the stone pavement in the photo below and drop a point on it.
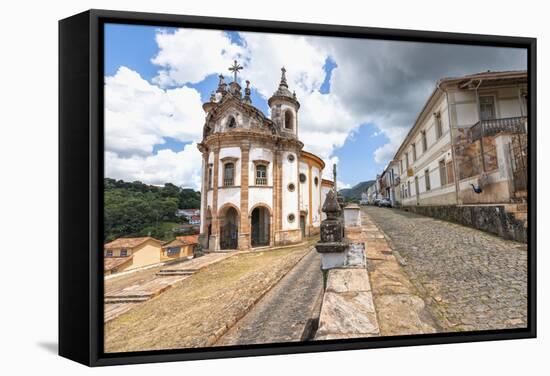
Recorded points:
(284, 313)
(399, 307)
(469, 279)
(348, 308)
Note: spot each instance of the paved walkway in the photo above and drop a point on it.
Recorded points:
(472, 280)
(284, 313)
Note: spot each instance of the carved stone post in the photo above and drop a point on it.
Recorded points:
(332, 245)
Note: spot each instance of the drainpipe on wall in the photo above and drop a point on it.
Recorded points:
(453, 156)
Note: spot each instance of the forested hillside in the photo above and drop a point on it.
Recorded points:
(137, 209)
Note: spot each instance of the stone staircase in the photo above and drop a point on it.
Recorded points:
(129, 298)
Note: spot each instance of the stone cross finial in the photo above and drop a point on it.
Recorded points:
(221, 84)
(247, 92)
(283, 77)
(235, 68)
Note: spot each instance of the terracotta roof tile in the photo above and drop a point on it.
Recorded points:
(189, 239)
(110, 263)
(128, 242)
(174, 243)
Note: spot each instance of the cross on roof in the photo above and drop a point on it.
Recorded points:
(235, 68)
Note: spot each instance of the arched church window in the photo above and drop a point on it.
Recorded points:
(289, 121)
(316, 181)
(261, 174)
(232, 122)
(228, 174)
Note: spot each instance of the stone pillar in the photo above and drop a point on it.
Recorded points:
(244, 232)
(310, 196)
(352, 216)
(203, 241)
(215, 237)
(502, 145)
(277, 202)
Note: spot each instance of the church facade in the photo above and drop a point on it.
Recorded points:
(259, 187)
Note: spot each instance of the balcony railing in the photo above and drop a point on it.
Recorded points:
(228, 182)
(261, 181)
(494, 126)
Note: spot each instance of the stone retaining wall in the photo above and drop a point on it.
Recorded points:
(493, 219)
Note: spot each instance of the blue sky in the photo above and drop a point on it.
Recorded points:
(358, 97)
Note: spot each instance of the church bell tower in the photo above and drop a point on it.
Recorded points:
(284, 108)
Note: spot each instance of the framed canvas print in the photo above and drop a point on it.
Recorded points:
(240, 187)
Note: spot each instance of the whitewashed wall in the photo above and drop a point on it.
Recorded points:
(290, 199)
(316, 196)
(259, 153)
(234, 152)
(228, 194)
(304, 189)
(260, 196)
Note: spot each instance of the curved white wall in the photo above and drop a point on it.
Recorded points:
(290, 199)
(304, 189)
(315, 197)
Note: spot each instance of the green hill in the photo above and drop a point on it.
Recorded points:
(138, 209)
(354, 193)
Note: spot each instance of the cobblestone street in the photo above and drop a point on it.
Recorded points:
(471, 280)
(284, 313)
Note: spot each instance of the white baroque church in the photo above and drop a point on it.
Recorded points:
(259, 188)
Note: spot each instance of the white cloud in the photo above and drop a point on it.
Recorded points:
(138, 114)
(267, 53)
(189, 55)
(324, 121)
(181, 168)
(342, 185)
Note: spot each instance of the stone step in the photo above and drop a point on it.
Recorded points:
(130, 296)
(124, 299)
(172, 272)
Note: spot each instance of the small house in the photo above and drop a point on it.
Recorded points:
(182, 246)
(130, 253)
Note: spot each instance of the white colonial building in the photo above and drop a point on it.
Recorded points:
(259, 188)
(468, 144)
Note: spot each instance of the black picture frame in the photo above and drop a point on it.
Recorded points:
(81, 185)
